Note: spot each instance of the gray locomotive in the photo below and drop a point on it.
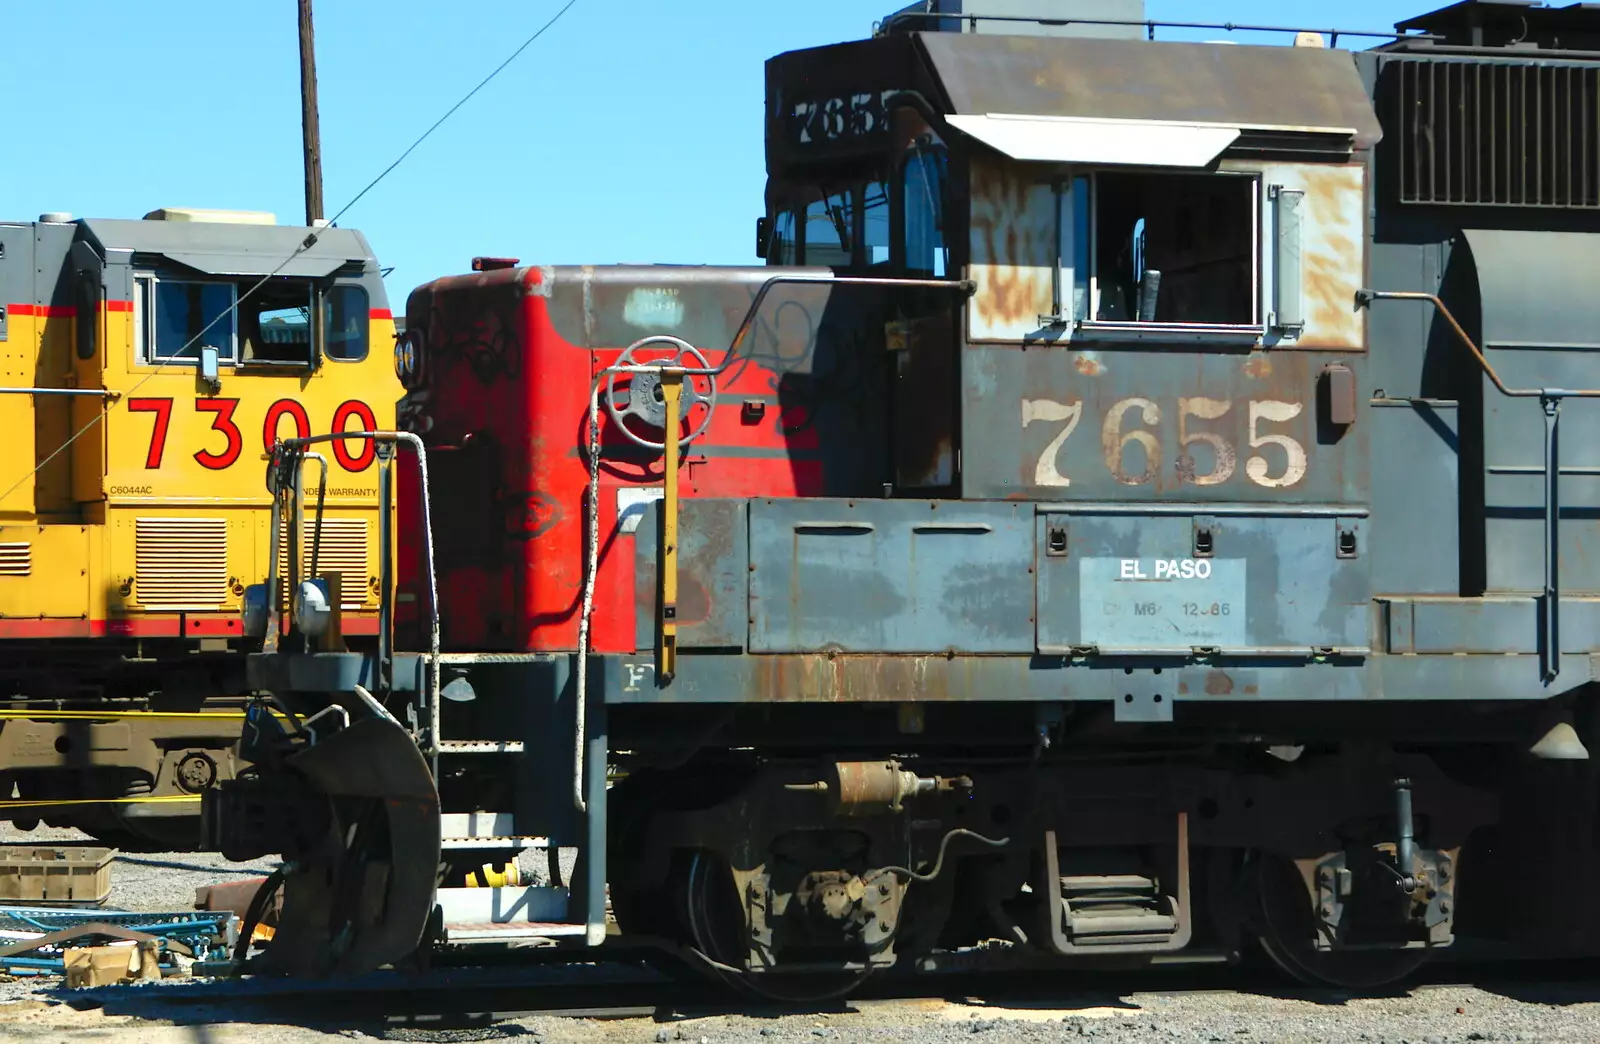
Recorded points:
(1125, 518)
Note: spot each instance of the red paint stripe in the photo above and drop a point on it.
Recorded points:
(150, 627)
(43, 311)
(220, 626)
(359, 626)
(212, 626)
(49, 628)
(119, 306)
(380, 313)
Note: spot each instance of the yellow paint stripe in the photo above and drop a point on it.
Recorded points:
(85, 715)
(153, 799)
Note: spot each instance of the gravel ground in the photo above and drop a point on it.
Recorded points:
(148, 882)
(1435, 1015)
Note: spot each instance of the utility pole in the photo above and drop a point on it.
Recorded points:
(308, 116)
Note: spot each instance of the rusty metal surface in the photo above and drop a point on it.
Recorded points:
(853, 678)
(1013, 235)
(1142, 425)
(1243, 86)
(892, 576)
(713, 574)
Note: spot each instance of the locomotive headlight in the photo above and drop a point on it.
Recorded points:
(406, 356)
(312, 608)
(254, 610)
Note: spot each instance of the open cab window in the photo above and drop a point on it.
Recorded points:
(1163, 252)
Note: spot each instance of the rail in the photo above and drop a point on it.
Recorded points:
(1550, 400)
(1150, 26)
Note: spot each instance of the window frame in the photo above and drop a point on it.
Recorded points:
(1087, 327)
(314, 307)
(926, 145)
(145, 308)
(320, 317)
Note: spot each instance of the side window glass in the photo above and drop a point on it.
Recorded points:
(784, 248)
(345, 323)
(875, 207)
(87, 290)
(177, 317)
(926, 252)
(828, 231)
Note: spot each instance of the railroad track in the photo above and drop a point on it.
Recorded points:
(447, 998)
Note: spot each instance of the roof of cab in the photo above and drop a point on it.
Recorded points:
(233, 249)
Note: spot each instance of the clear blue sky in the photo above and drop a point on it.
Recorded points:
(630, 132)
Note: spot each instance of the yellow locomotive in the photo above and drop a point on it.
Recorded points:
(146, 368)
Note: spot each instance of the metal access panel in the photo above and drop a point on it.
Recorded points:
(1247, 584)
(890, 576)
(713, 566)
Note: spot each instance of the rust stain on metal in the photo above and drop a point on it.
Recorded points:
(1012, 240)
(1258, 366)
(1218, 683)
(1088, 364)
(1331, 253)
(861, 678)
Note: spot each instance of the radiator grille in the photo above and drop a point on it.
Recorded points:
(180, 563)
(343, 551)
(1512, 134)
(16, 559)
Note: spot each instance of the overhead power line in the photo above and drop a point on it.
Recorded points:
(305, 245)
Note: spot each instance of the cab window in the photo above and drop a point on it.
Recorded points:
(275, 324)
(174, 318)
(924, 176)
(875, 229)
(829, 238)
(344, 323)
(783, 248)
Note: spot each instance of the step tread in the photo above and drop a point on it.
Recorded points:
(495, 841)
(481, 746)
(510, 932)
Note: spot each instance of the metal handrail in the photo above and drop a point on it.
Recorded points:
(297, 446)
(1550, 399)
(1148, 25)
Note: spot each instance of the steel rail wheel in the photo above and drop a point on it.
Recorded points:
(1285, 928)
(716, 928)
(361, 896)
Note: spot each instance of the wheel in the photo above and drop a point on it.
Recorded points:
(1286, 927)
(715, 924)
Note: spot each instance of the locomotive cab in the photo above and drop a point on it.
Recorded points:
(152, 365)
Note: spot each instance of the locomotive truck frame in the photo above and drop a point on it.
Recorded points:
(1125, 518)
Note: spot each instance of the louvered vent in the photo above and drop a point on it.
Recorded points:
(16, 559)
(343, 551)
(1500, 134)
(180, 563)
